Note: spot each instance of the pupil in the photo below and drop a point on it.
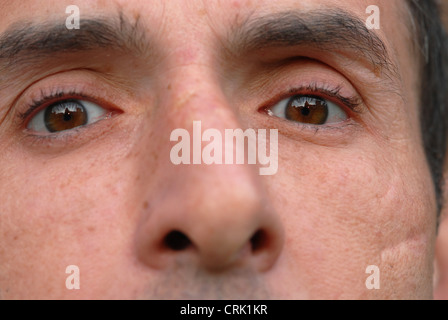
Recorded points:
(67, 116)
(306, 111)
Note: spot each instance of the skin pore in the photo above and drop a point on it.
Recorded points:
(106, 197)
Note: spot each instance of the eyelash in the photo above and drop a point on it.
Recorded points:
(47, 98)
(332, 93)
(321, 92)
(353, 103)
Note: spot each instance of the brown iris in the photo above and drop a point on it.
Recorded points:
(307, 110)
(65, 115)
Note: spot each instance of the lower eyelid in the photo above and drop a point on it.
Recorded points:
(311, 127)
(332, 135)
(77, 130)
(76, 137)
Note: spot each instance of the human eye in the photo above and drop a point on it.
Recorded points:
(313, 106)
(63, 115)
(66, 111)
(308, 110)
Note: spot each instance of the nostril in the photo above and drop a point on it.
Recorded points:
(258, 240)
(177, 241)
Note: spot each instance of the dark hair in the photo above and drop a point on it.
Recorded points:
(433, 49)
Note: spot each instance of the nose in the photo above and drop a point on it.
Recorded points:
(215, 224)
(215, 216)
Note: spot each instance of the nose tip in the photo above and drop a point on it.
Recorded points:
(217, 251)
(215, 241)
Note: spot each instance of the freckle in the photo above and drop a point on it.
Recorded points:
(91, 229)
(169, 87)
(136, 15)
(138, 178)
(377, 72)
(15, 238)
(145, 205)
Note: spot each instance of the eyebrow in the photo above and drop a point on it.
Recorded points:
(326, 30)
(31, 41)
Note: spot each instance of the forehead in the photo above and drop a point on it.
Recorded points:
(226, 13)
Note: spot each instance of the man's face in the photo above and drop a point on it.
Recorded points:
(352, 189)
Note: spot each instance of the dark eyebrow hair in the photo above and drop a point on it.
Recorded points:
(28, 41)
(323, 29)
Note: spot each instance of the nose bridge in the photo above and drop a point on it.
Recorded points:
(198, 105)
(196, 93)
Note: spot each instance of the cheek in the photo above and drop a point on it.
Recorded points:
(343, 212)
(53, 215)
